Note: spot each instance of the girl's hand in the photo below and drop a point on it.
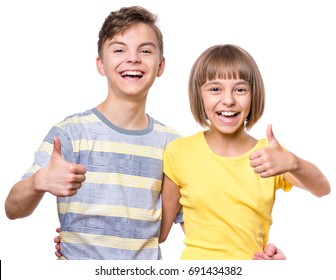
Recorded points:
(273, 159)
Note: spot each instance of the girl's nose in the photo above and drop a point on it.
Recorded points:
(228, 99)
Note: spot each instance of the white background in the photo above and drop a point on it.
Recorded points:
(47, 66)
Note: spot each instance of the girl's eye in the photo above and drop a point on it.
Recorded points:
(241, 90)
(214, 89)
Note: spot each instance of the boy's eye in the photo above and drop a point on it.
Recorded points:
(146, 51)
(118, 50)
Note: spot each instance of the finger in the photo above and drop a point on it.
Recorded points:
(57, 239)
(270, 250)
(76, 186)
(255, 162)
(69, 192)
(255, 155)
(262, 171)
(57, 150)
(259, 256)
(272, 141)
(80, 178)
(73, 192)
(265, 174)
(259, 169)
(78, 169)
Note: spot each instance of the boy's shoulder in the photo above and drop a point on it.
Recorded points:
(161, 127)
(79, 117)
(82, 114)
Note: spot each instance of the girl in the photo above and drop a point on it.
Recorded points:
(224, 179)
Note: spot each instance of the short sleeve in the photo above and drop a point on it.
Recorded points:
(169, 158)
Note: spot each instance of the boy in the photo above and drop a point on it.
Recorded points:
(105, 164)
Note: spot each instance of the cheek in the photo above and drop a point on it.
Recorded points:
(246, 106)
(209, 106)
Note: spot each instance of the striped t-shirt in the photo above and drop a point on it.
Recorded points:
(116, 213)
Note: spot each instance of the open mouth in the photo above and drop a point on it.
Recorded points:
(132, 74)
(227, 114)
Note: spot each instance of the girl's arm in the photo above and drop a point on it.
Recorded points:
(306, 175)
(170, 206)
(274, 160)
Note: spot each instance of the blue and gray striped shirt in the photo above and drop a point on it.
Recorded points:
(116, 213)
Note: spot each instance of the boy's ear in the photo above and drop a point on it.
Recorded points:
(161, 67)
(100, 66)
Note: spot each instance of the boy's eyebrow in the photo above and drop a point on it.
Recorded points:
(141, 45)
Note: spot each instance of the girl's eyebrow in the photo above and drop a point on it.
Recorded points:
(242, 82)
(211, 83)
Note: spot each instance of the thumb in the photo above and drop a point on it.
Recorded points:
(270, 250)
(270, 136)
(57, 150)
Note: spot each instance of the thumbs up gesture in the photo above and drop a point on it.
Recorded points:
(271, 160)
(60, 177)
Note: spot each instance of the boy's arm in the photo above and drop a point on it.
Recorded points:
(274, 160)
(59, 177)
(22, 199)
(170, 194)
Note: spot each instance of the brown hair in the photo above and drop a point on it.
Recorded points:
(119, 21)
(226, 62)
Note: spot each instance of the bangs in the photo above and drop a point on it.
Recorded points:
(226, 64)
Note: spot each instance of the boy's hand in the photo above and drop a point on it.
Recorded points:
(271, 160)
(57, 240)
(60, 177)
(271, 252)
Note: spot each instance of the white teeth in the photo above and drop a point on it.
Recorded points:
(131, 73)
(227, 114)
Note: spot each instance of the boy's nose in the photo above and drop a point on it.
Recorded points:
(134, 58)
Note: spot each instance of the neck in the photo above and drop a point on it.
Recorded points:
(125, 113)
(229, 145)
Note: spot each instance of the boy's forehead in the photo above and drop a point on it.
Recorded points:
(139, 31)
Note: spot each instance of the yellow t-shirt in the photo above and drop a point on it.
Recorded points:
(227, 207)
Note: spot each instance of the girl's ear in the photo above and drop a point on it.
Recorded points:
(100, 66)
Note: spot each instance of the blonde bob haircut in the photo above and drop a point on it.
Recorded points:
(226, 62)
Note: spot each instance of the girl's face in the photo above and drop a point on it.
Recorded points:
(227, 104)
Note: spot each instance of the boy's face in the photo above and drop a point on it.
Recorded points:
(131, 61)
